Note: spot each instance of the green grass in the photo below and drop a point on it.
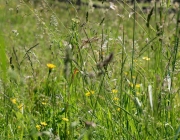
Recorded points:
(115, 76)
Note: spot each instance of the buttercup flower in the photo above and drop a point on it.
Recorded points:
(138, 85)
(38, 127)
(89, 93)
(114, 91)
(43, 123)
(13, 100)
(65, 119)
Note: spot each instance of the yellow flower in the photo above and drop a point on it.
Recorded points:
(138, 93)
(38, 127)
(89, 93)
(92, 92)
(65, 119)
(51, 66)
(13, 100)
(146, 58)
(118, 109)
(131, 84)
(43, 123)
(44, 103)
(114, 91)
(116, 99)
(20, 107)
(138, 85)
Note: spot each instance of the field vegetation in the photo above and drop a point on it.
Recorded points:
(101, 71)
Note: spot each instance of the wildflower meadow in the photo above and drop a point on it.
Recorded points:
(89, 70)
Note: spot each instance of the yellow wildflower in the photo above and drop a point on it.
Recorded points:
(118, 109)
(89, 93)
(92, 92)
(13, 100)
(138, 85)
(51, 66)
(131, 84)
(114, 91)
(146, 58)
(116, 99)
(44, 103)
(138, 93)
(38, 127)
(43, 123)
(20, 107)
(65, 119)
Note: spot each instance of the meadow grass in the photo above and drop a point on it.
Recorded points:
(70, 72)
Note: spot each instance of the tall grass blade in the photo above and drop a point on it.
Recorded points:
(3, 61)
(177, 134)
(149, 17)
(150, 96)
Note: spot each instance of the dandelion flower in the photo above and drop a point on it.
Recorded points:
(65, 119)
(13, 100)
(51, 66)
(138, 85)
(38, 127)
(114, 91)
(43, 123)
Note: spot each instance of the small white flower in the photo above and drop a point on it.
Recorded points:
(112, 6)
(130, 14)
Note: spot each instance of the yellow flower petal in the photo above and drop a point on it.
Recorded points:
(13, 100)
(114, 91)
(51, 66)
(43, 123)
(38, 127)
(65, 119)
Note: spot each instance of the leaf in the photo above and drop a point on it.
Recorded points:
(177, 133)
(149, 17)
